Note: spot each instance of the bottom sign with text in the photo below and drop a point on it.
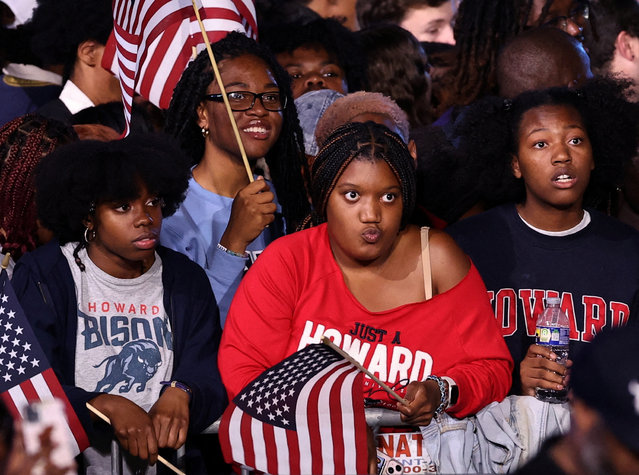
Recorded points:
(402, 452)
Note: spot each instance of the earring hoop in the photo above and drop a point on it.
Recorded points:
(205, 132)
(89, 235)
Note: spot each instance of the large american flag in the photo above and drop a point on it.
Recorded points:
(25, 374)
(303, 416)
(153, 41)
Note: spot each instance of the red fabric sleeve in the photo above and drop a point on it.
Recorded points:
(484, 371)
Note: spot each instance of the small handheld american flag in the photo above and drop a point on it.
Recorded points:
(25, 374)
(304, 415)
(153, 41)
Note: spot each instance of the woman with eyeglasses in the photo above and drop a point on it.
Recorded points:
(226, 221)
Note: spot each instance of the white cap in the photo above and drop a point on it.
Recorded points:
(553, 300)
(22, 10)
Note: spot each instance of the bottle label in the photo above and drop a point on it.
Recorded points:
(552, 336)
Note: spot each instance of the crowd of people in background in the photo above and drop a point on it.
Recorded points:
(417, 178)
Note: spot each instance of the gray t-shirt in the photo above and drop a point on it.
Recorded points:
(124, 344)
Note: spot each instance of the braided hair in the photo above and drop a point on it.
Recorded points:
(23, 143)
(286, 160)
(360, 141)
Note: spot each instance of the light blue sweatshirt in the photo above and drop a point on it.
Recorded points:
(197, 227)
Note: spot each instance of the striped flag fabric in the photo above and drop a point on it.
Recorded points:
(303, 416)
(153, 41)
(25, 374)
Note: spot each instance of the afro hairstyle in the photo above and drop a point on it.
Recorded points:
(75, 178)
(489, 132)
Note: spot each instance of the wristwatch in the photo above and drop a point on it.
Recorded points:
(453, 391)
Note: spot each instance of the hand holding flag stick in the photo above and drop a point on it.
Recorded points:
(5, 260)
(384, 386)
(218, 78)
(161, 459)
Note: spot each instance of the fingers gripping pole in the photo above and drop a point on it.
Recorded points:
(384, 386)
(6, 260)
(160, 458)
(218, 78)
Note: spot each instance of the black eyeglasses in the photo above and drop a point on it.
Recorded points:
(245, 100)
(579, 16)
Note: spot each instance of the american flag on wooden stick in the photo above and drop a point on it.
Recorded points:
(25, 374)
(304, 415)
(153, 41)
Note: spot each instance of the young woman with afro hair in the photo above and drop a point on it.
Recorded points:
(127, 325)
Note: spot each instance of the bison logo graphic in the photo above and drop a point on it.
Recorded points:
(137, 363)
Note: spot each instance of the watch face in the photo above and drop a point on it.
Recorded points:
(454, 394)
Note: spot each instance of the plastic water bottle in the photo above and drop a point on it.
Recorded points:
(553, 332)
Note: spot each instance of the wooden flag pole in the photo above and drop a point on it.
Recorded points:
(160, 458)
(218, 78)
(384, 386)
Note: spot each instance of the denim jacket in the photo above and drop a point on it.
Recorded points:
(500, 438)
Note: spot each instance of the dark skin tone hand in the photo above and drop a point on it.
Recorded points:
(423, 399)
(539, 369)
(253, 209)
(170, 416)
(141, 434)
(131, 424)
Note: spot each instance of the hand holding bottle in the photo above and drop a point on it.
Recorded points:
(540, 368)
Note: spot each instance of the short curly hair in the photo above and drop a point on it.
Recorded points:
(75, 178)
(609, 18)
(60, 26)
(397, 67)
(336, 39)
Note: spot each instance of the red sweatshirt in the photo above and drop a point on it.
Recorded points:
(295, 293)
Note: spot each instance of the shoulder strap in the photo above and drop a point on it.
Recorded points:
(428, 283)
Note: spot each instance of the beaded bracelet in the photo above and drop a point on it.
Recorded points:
(442, 393)
(233, 253)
